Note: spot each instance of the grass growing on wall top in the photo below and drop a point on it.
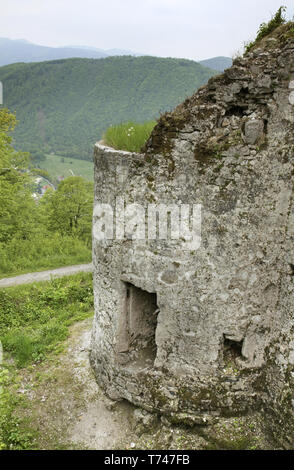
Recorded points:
(128, 136)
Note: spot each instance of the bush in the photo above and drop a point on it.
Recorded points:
(128, 136)
(50, 232)
(45, 251)
(12, 437)
(267, 28)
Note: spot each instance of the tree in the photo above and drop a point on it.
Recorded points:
(45, 233)
(69, 208)
(17, 205)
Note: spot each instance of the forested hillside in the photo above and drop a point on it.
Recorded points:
(55, 231)
(64, 106)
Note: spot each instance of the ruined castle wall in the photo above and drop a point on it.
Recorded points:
(223, 332)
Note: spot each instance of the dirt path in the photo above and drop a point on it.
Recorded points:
(67, 410)
(66, 407)
(44, 275)
(102, 423)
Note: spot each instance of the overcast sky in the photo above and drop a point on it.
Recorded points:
(195, 29)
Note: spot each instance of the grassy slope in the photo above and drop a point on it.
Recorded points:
(23, 256)
(65, 106)
(34, 322)
(35, 318)
(63, 166)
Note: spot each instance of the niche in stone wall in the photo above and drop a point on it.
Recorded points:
(232, 352)
(136, 334)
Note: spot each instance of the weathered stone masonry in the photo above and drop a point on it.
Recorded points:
(196, 335)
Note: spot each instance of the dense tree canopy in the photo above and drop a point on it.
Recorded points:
(69, 209)
(64, 106)
(17, 205)
(37, 234)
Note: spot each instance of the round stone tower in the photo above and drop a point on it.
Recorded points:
(193, 251)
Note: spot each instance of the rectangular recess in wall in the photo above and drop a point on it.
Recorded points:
(138, 327)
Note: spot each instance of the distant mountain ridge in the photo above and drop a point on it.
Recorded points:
(20, 50)
(109, 52)
(217, 63)
(13, 51)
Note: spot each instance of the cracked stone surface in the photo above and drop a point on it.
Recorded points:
(224, 331)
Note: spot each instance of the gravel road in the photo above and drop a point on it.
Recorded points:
(45, 275)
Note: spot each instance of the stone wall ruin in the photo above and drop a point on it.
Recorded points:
(196, 335)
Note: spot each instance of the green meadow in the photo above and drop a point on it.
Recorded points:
(58, 166)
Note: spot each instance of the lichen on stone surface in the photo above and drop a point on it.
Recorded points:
(229, 147)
